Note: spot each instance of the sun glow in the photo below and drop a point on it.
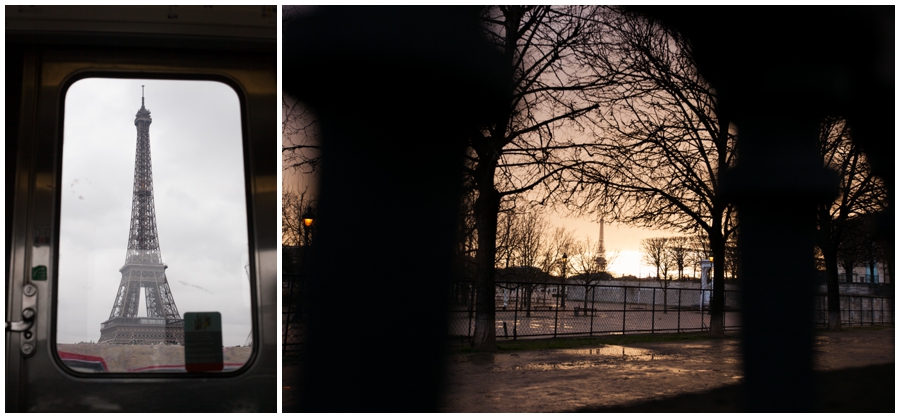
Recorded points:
(629, 263)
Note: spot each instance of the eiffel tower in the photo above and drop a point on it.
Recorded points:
(144, 268)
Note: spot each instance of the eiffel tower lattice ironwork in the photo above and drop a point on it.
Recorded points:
(144, 268)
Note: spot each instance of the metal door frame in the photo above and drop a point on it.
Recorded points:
(36, 381)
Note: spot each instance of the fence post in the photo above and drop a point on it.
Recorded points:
(516, 313)
(594, 299)
(556, 315)
(678, 324)
(471, 309)
(859, 303)
(871, 311)
(849, 302)
(701, 313)
(653, 313)
(624, 306)
(724, 311)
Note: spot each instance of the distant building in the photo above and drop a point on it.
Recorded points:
(875, 274)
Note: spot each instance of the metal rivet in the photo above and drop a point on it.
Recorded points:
(28, 313)
(30, 290)
(27, 335)
(27, 349)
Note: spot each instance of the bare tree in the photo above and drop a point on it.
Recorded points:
(659, 159)
(591, 263)
(300, 147)
(699, 245)
(526, 241)
(296, 236)
(300, 150)
(732, 255)
(656, 253)
(861, 194)
(678, 250)
(558, 243)
(555, 259)
(529, 238)
(855, 249)
(294, 205)
(508, 230)
(547, 108)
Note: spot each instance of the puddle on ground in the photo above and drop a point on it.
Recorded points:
(588, 358)
(620, 352)
(566, 365)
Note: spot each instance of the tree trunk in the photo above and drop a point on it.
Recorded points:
(529, 291)
(665, 296)
(872, 271)
(659, 277)
(828, 241)
(717, 304)
(829, 253)
(585, 296)
(717, 235)
(487, 208)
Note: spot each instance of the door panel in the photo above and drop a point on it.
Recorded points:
(36, 378)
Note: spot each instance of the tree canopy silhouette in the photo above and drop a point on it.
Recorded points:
(664, 142)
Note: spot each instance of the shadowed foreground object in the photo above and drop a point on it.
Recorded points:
(394, 89)
(778, 73)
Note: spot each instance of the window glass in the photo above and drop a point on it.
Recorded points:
(153, 226)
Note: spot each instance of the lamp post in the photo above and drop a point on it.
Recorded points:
(705, 281)
(308, 217)
(565, 260)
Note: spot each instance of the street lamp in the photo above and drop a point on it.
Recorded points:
(308, 217)
(565, 260)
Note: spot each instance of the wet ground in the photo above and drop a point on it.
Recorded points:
(563, 380)
(685, 376)
(618, 376)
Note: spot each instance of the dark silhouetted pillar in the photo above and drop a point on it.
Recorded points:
(395, 90)
(778, 72)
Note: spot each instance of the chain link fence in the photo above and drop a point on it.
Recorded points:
(526, 310)
(858, 310)
(541, 310)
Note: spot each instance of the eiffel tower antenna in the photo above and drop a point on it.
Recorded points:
(144, 268)
(601, 246)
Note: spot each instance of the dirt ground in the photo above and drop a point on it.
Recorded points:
(604, 377)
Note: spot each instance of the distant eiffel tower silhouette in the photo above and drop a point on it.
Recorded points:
(144, 268)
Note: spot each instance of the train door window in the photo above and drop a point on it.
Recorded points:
(153, 226)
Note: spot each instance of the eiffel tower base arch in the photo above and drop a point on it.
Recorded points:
(142, 331)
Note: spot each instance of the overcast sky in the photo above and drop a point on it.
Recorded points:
(195, 143)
